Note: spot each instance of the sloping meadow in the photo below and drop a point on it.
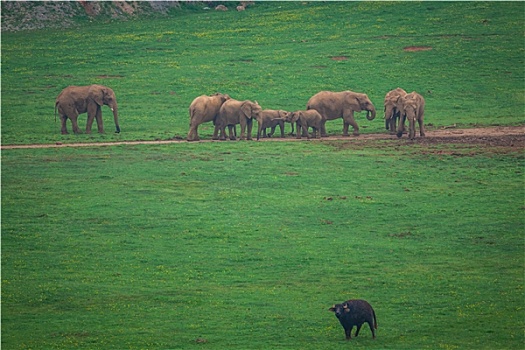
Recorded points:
(245, 245)
(239, 245)
(466, 60)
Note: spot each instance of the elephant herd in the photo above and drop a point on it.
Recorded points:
(225, 111)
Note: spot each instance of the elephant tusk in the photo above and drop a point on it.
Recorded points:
(112, 109)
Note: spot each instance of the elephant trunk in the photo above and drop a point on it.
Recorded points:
(114, 108)
(371, 114)
(389, 111)
(412, 131)
(388, 116)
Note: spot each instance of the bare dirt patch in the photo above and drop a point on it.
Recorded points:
(454, 142)
(339, 58)
(417, 48)
(510, 137)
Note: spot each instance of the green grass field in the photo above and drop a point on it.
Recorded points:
(245, 245)
(276, 53)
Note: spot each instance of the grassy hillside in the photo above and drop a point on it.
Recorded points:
(279, 54)
(245, 245)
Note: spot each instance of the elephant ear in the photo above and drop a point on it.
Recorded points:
(97, 95)
(398, 103)
(361, 100)
(351, 101)
(246, 109)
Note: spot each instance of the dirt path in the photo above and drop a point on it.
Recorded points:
(505, 134)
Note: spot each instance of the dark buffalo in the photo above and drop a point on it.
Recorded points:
(354, 313)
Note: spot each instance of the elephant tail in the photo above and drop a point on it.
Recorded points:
(56, 105)
(192, 114)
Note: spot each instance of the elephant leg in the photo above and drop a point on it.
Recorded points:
(298, 130)
(394, 124)
(421, 127)
(281, 126)
(100, 124)
(349, 120)
(191, 134)
(74, 123)
(222, 133)
(305, 131)
(63, 120)
(391, 125)
(92, 112)
(230, 131)
(216, 131)
(323, 130)
(243, 128)
(401, 126)
(250, 126)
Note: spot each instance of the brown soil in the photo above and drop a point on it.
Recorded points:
(417, 48)
(339, 58)
(510, 137)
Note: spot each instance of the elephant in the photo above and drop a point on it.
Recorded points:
(204, 109)
(75, 100)
(413, 108)
(270, 118)
(333, 105)
(393, 107)
(306, 119)
(235, 112)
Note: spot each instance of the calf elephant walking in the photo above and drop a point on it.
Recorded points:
(270, 118)
(75, 100)
(307, 119)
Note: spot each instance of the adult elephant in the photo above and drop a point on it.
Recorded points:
(393, 105)
(413, 109)
(204, 109)
(333, 105)
(75, 100)
(235, 112)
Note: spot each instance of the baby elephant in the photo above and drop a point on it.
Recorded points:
(354, 313)
(270, 118)
(307, 119)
